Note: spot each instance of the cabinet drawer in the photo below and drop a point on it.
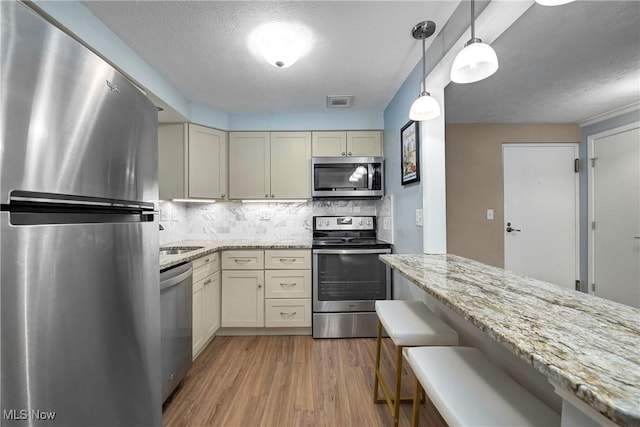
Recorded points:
(287, 313)
(242, 260)
(205, 266)
(287, 283)
(287, 259)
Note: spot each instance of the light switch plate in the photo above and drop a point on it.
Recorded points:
(489, 213)
(174, 215)
(419, 220)
(164, 215)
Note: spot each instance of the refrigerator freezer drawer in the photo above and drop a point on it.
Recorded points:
(80, 322)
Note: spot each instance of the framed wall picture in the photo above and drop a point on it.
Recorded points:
(410, 153)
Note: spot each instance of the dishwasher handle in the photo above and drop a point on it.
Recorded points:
(175, 275)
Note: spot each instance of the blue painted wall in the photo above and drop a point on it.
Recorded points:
(407, 237)
(622, 120)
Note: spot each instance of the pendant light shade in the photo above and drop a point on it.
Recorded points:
(476, 61)
(553, 2)
(425, 107)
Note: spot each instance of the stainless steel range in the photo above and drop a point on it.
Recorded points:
(348, 277)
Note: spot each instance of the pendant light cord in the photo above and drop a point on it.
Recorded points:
(424, 69)
(473, 20)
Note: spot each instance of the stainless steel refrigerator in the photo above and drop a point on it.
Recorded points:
(79, 280)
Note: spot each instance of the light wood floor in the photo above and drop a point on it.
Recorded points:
(289, 381)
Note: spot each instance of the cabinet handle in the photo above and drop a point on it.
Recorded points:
(241, 261)
(222, 196)
(287, 260)
(206, 282)
(349, 153)
(287, 285)
(272, 196)
(259, 285)
(343, 153)
(266, 195)
(283, 314)
(206, 260)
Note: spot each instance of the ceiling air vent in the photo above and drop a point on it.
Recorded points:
(339, 101)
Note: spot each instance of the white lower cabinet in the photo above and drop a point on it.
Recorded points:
(206, 301)
(243, 298)
(270, 288)
(290, 313)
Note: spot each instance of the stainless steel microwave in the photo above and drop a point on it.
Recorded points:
(347, 177)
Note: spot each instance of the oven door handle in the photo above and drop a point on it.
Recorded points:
(351, 251)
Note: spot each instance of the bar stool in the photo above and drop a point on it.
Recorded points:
(409, 324)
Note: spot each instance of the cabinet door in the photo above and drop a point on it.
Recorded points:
(211, 305)
(329, 144)
(291, 165)
(207, 154)
(243, 298)
(171, 161)
(249, 165)
(198, 328)
(364, 143)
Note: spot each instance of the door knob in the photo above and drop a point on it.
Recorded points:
(510, 229)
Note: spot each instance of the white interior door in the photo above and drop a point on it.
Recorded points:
(541, 237)
(615, 215)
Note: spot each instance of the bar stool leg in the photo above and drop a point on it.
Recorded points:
(376, 371)
(416, 404)
(396, 406)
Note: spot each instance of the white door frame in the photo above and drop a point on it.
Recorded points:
(576, 148)
(591, 209)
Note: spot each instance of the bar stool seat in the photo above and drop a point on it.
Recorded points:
(408, 324)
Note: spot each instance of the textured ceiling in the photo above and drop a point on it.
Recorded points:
(557, 64)
(560, 64)
(361, 48)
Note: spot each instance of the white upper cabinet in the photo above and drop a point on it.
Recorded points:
(192, 162)
(207, 163)
(290, 165)
(345, 144)
(269, 165)
(249, 165)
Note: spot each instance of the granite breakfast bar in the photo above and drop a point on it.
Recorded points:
(587, 347)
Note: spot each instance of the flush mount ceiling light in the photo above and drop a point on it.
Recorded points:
(476, 61)
(425, 107)
(280, 44)
(553, 2)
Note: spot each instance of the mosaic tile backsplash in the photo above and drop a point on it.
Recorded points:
(261, 221)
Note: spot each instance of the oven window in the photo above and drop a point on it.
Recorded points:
(340, 176)
(351, 277)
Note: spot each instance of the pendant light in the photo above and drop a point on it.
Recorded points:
(553, 2)
(425, 107)
(476, 61)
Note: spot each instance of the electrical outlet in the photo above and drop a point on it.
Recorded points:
(419, 220)
(174, 215)
(489, 213)
(164, 215)
(386, 223)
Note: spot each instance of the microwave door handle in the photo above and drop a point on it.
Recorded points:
(370, 173)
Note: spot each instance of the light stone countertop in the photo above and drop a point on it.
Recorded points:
(209, 246)
(587, 345)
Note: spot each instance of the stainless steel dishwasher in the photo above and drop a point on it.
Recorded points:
(175, 312)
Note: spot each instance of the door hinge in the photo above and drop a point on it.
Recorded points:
(593, 161)
(578, 285)
(576, 165)
(593, 225)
